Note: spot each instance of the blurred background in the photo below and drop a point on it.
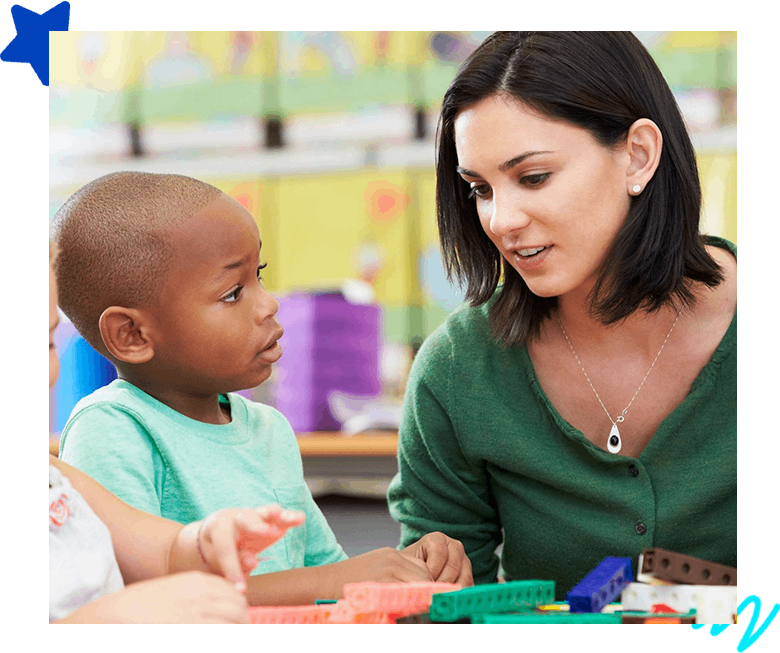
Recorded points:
(327, 139)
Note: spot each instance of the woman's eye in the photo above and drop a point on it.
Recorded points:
(261, 267)
(531, 181)
(535, 180)
(479, 191)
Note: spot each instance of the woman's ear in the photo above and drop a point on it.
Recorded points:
(127, 334)
(643, 145)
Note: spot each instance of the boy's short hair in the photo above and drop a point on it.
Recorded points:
(113, 237)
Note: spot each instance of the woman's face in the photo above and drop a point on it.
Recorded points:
(549, 196)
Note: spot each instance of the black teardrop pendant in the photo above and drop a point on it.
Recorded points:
(614, 443)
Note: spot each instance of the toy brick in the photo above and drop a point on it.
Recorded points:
(658, 618)
(714, 604)
(403, 598)
(513, 596)
(551, 617)
(296, 614)
(419, 618)
(675, 567)
(601, 586)
(343, 612)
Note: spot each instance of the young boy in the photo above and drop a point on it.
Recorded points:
(160, 273)
(111, 563)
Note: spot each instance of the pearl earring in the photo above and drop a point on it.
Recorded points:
(636, 188)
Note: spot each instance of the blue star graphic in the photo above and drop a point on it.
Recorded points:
(31, 44)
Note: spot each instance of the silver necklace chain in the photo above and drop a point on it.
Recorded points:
(622, 415)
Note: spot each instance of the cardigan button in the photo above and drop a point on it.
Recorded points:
(641, 529)
(632, 469)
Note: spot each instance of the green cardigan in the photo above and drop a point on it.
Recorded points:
(483, 451)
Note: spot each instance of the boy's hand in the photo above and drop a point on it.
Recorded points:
(230, 540)
(445, 558)
(386, 565)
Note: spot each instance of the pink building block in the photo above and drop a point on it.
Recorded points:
(397, 598)
(295, 614)
(363, 603)
(345, 613)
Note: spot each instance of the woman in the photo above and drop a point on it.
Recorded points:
(584, 404)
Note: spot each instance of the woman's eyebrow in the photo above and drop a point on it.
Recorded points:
(511, 163)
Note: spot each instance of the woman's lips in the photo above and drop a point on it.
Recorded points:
(528, 263)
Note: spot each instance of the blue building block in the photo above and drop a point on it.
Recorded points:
(601, 586)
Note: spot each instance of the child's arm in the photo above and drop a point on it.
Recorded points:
(147, 546)
(305, 585)
(132, 531)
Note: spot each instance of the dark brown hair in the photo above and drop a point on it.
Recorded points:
(602, 82)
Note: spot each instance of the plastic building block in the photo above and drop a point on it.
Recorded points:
(402, 598)
(551, 617)
(343, 612)
(514, 596)
(601, 586)
(680, 568)
(296, 614)
(419, 618)
(363, 603)
(672, 617)
(661, 607)
(714, 604)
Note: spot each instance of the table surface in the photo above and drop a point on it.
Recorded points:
(328, 444)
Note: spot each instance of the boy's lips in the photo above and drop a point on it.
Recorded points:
(271, 354)
(273, 350)
(277, 334)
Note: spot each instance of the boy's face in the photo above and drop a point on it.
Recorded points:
(215, 321)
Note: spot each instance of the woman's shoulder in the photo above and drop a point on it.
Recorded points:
(722, 300)
(466, 325)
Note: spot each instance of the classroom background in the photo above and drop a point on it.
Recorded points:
(327, 139)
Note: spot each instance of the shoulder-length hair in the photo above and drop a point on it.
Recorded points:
(602, 82)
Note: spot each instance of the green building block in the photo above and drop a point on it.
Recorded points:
(515, 596)
(549, 617)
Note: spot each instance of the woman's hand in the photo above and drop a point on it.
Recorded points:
(444, 557)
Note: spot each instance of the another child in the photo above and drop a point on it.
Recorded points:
(161, 274)
(98, 544)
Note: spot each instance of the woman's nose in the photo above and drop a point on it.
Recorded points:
(507, 216)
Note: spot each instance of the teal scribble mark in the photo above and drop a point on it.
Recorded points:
(749, 637)
(31, 44)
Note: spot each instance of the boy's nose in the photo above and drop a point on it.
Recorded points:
(267, 305)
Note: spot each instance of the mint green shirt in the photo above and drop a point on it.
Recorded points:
(162, 462)
(486, 458)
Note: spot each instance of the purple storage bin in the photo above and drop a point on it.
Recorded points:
(328, 344)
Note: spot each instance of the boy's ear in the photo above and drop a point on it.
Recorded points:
(127, 334)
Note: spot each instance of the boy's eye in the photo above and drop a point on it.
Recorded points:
(233, 296)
